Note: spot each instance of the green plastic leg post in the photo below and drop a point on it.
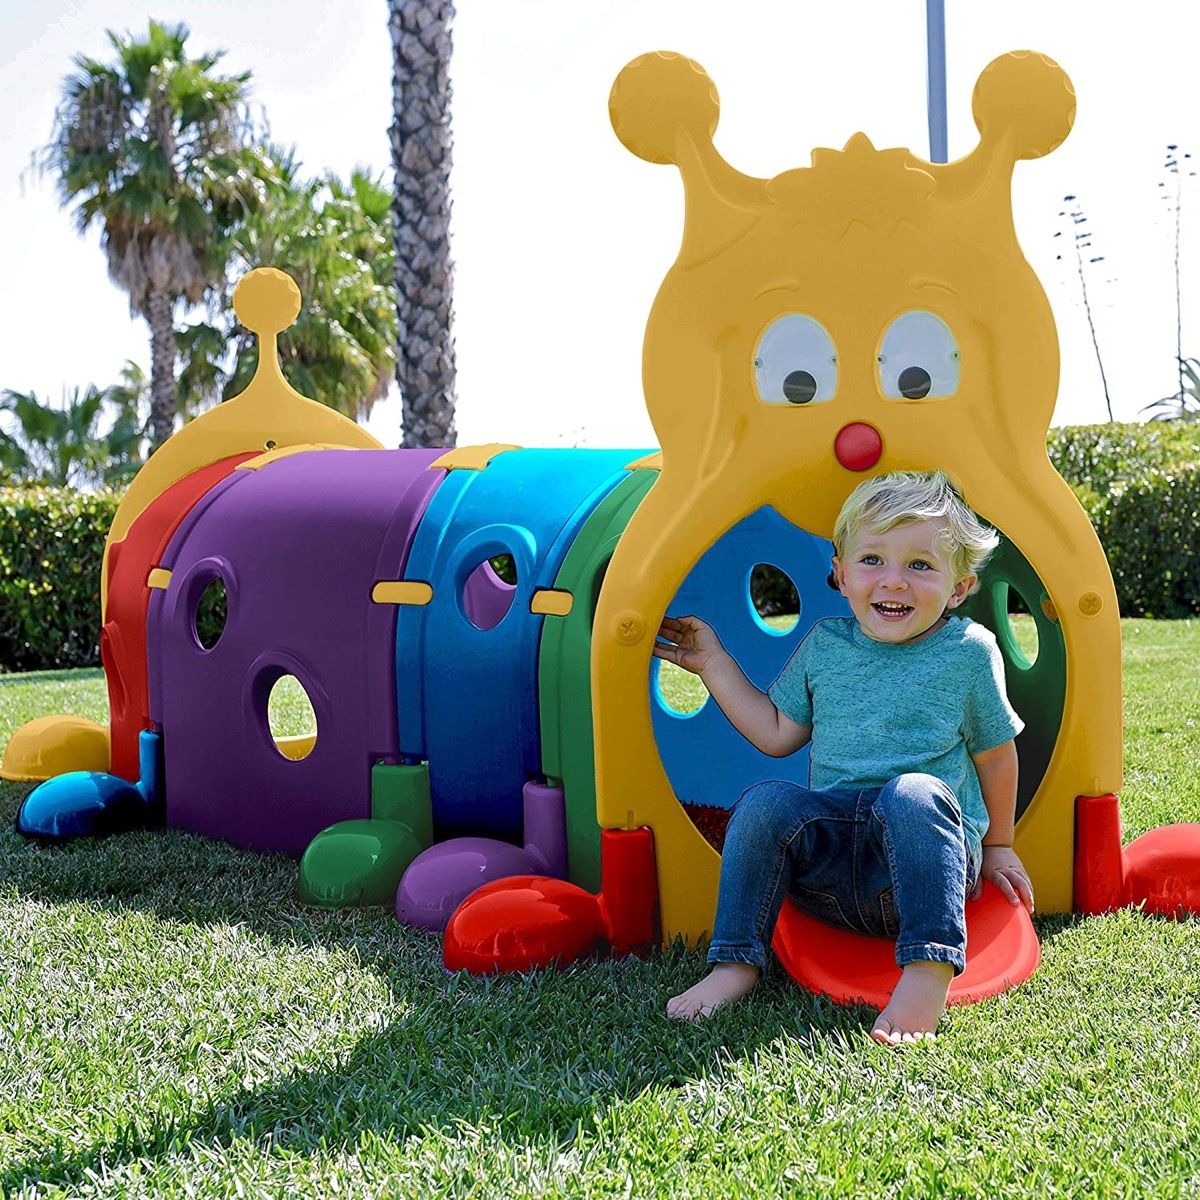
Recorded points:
(361, 862)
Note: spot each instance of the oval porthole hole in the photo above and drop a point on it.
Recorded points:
(489, 591)
(775, 598)
(291, 718)
(212, 611)
(676, 690)
(1022, 625)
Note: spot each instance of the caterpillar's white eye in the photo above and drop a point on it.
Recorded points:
(918, 358)
(795, 362)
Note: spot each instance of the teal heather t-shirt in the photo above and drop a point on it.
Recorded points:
(879, 710)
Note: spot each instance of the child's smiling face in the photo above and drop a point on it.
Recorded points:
(899, 583)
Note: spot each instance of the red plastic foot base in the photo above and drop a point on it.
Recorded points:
(523, 923)
(529, 922)
(1002, 951)
(1162, 870)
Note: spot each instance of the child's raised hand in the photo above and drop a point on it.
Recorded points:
(688, 643)
(1002, 867)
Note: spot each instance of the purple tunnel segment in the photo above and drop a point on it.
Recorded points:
(299, 544)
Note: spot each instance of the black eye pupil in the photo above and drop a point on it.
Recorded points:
(914, 383)
(799, 387)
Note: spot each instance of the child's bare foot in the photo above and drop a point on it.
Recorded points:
(724, 984)
(917, 1003)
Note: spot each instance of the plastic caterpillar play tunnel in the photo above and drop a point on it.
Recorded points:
(494, 752)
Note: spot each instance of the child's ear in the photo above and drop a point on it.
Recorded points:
(836, 579)
(962, 589)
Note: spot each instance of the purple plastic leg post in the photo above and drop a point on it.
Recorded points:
(546, 828)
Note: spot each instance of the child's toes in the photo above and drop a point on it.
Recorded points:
(883, 1033)
(887, 1034)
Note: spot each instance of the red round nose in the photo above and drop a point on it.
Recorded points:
(858, 446)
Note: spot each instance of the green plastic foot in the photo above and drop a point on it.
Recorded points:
(357, 862)
(361, 862)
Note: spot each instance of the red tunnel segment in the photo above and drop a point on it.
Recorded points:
(123, 638)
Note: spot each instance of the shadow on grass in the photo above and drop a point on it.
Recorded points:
(534, 1057)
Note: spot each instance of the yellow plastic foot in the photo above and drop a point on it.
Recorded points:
(50, 746)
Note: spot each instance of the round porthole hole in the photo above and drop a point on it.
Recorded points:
(212, 611)
(774, 598)
(676, 690)
(1022, 628)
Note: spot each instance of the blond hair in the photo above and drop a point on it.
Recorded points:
(903, 497)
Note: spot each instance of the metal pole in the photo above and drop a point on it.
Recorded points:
(935, 58)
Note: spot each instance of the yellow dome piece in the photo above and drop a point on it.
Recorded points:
(268, 415)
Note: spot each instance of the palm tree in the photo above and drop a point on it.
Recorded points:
(131, 425)
(342, 349)
(334, 238)
(157, 149)
(421, 155)
(63, 446)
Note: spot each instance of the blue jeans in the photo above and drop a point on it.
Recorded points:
(889, 863)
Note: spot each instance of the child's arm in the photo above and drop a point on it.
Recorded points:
(691, 644)
(997, 771)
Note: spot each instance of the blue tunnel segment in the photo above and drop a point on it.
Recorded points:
(466, 673)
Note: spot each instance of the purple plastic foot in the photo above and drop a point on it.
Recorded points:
(442, 877)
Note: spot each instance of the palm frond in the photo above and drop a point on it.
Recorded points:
(1182, 405)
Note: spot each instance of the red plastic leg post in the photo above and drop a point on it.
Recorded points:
(629, 890)
(1100, 882)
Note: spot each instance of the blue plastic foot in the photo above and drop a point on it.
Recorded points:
(81, 803)
(91, 803)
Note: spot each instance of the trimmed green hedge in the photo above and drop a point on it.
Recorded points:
(1140, 485)
(51, 549)
(1150, 530)
(1099, 456)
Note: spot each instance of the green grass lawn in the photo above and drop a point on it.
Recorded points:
(173, 1023)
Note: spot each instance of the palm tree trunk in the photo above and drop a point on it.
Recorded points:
(160, 315)
(421, 154)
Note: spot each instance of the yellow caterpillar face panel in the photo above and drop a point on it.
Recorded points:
(869, 313)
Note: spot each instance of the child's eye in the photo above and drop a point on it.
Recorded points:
(921, 565)
(871, 560)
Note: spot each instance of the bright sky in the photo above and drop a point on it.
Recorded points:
(561, 237)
